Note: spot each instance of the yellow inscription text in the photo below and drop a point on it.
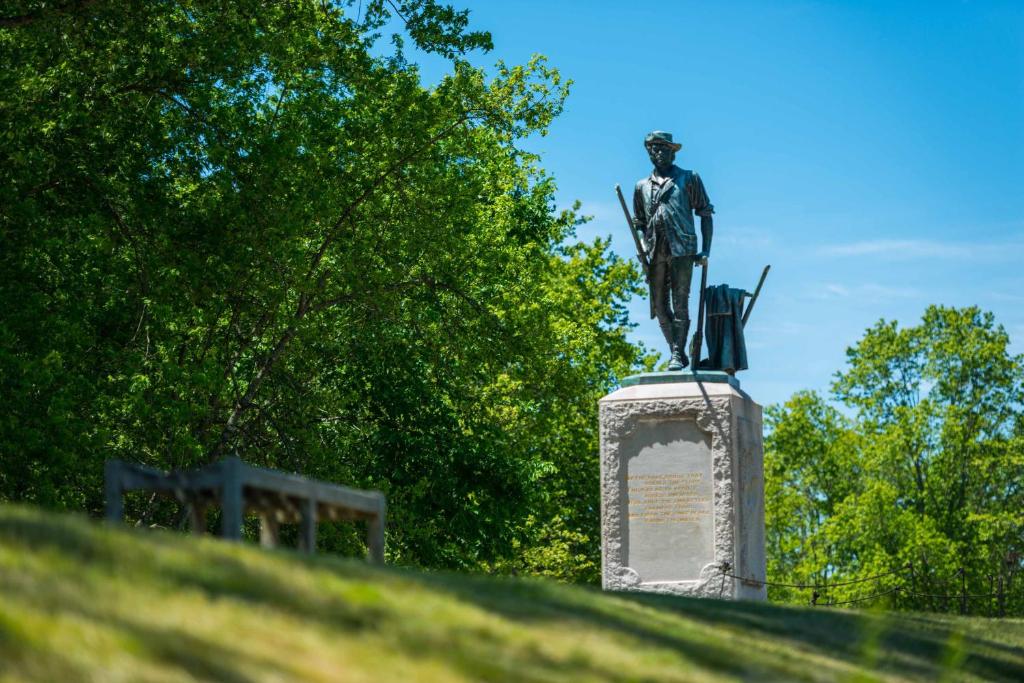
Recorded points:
(668, 498)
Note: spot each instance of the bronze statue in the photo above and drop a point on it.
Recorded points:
(664, 204)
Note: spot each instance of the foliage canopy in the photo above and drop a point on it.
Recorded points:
(920, 466)
(248, 227)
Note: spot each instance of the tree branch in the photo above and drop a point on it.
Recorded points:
(305, 304)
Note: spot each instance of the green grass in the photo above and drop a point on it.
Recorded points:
(79, 601)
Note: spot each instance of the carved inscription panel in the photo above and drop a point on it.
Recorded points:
(669, 500)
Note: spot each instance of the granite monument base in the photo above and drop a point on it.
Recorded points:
(682, 487)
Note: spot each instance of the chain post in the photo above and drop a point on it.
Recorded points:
(913, 581)
(963, 591)
(991, 592)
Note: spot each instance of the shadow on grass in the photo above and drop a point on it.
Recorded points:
(914, 647)
(171, 648)
(213, 568)
(781, 642)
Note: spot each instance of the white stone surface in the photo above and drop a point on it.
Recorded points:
(682, 490)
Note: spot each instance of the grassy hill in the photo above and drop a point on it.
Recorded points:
(79, 601)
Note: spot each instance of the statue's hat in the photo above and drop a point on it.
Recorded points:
(660, 137)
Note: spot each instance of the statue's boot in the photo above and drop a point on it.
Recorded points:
(679, 332)
(666, 329)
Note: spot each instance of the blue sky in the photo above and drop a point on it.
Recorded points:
(871, 152)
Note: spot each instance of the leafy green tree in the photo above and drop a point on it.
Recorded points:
(921, 470)
(248, 228)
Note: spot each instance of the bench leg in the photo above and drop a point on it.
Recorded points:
(375, 536)
(197, 518)
(113, 491)
(307, 533)
(269, 530)
(231, 503)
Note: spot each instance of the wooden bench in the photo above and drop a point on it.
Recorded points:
(277, 497)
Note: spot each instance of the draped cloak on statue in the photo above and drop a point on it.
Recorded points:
(723, 329)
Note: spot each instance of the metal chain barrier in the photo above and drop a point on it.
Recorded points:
(725, 568)
(865, 598)
(904, 573)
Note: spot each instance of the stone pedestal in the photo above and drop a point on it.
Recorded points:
(682, 487)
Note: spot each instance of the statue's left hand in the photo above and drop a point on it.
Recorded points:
(701, 259)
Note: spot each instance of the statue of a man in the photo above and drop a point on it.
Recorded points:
(663, 207)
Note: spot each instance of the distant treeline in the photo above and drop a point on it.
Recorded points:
(916, 469)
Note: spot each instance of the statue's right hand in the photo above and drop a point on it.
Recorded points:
(639, 224)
